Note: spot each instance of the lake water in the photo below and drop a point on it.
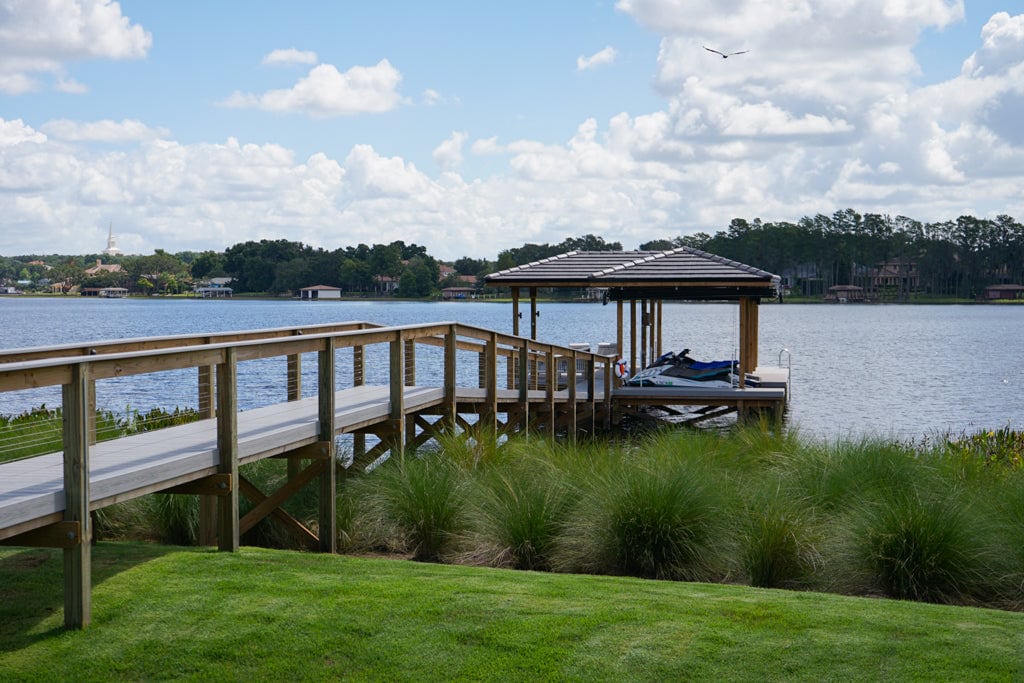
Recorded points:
(905, 371)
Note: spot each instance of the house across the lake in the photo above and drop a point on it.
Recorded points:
(320, 292)
(1004, 292)
(844, 294)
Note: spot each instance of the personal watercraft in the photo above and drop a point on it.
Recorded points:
(679, 369)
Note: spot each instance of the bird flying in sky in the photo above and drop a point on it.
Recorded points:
(725, 55)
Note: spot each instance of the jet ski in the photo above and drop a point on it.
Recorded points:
(679, 369)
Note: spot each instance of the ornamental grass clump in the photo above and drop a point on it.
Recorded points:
(519, 514)
(417, 504)
(919, 544)
(651, 517)
(777, 543)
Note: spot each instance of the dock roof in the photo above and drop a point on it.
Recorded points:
(681, 273)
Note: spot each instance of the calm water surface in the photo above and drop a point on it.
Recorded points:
(907, 371)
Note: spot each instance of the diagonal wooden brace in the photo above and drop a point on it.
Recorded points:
(266, 505)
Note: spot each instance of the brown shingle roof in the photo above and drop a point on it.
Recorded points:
(677, 273)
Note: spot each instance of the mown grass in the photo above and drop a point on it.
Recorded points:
(161, 613)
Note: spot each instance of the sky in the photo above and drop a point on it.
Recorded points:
(471, 127)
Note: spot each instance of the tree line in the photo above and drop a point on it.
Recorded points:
(950, 258)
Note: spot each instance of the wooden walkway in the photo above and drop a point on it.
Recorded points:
(491, 381)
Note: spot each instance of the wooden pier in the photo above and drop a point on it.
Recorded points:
(483, 382)
(490, 382)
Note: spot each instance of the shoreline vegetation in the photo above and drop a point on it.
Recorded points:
(939, 520)
(918, 300)
(658, 555)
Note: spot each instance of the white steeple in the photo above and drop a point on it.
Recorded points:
(111, 249)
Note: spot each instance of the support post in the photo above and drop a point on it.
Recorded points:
(533, 313)
(632, 337)
(328, 478)
(515, 311)
(570, 375)
(550, 385)
(207, 504)
(619, 348)
(227, 450)
(489, 420)
(397, 378)
(450, 359)
(78, 558)
(524, 389)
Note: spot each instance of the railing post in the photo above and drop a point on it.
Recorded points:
(78, 558)
(591, 399)
(570, 373)
(491, 383)
(524, 387)
(328, 478)
(450, 389)
(227, 450)
(608, 394)
(550, 384)
(397, 377)
(207, 504)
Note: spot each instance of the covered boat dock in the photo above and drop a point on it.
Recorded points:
(640, 282)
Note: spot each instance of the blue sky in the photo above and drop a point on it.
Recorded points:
(472, 127)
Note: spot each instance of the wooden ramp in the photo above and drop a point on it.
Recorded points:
(32, 490)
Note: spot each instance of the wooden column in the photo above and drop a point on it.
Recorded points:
(450, 358)
(207, 504)
(570, 378)
(644, 321)
(632, 337)
(397, 380)
(515, 311)
(550, 384)
(619, 348)
(227, 449)
(78, 558)
(533, 313)
(661, 314)
(489, 416)
(328, 478)
(748, 336)
(524, 387)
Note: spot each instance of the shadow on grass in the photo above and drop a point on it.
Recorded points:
(32, 587)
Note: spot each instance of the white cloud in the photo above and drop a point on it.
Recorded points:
(40, 37)
(448, 154)
(102, 131)
(290, 56)
(1002, 46)
(605, 56)
(327, 92)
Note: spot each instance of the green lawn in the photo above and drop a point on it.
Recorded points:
(259, 614)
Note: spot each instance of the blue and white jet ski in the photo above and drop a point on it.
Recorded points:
(679, 369)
